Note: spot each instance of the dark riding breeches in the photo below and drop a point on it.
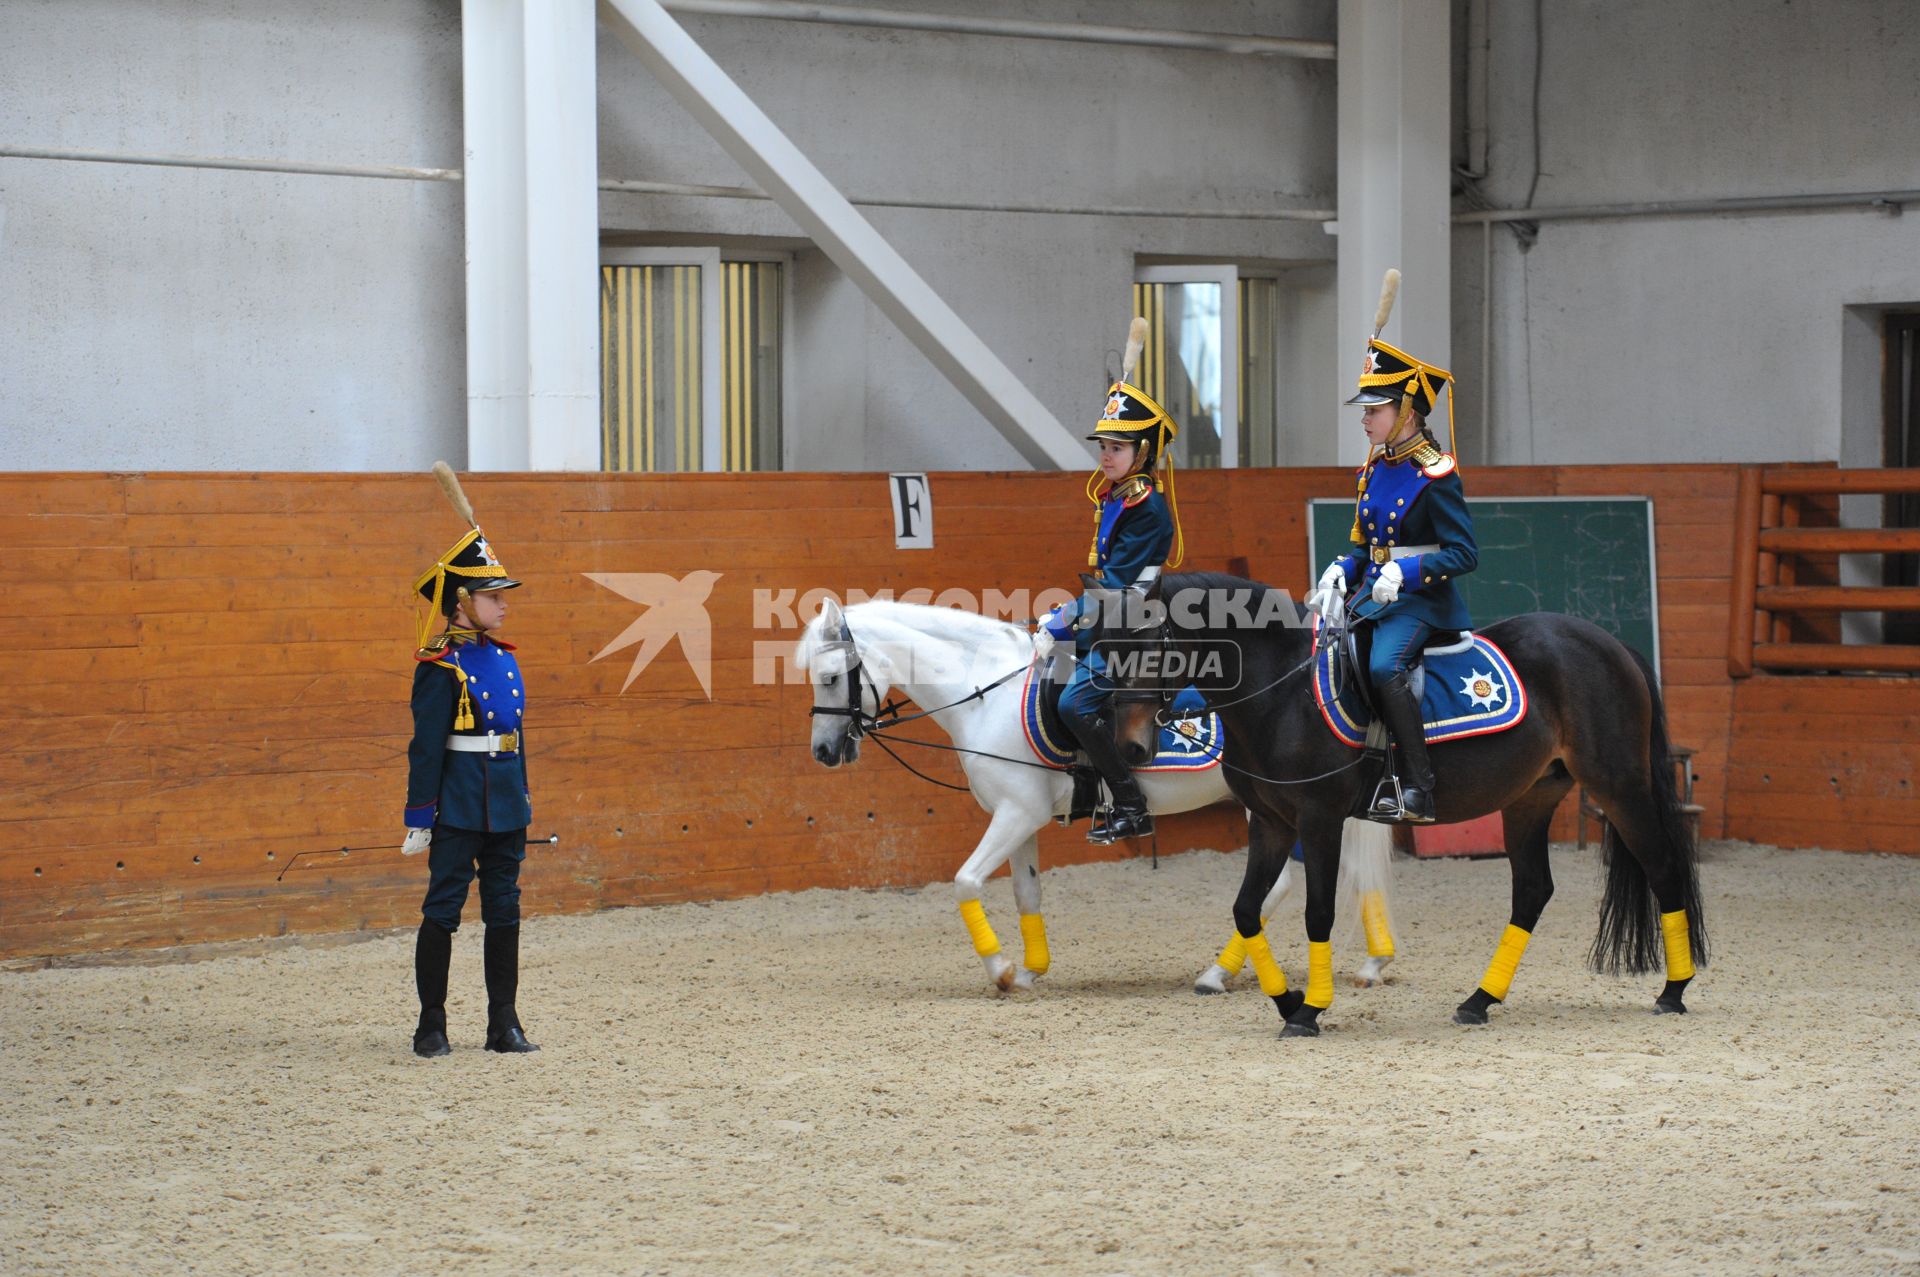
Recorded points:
(453, 859)
(1397, 640)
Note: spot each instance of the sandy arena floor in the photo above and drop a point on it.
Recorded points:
(823, 1083)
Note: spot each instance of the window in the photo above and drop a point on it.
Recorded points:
(1210, 360)
(690, 360)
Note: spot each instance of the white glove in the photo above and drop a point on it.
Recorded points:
(1333, 582)
(1043, 642)
(418, 840)
(1386, 586)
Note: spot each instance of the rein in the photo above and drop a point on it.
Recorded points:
(886, 717)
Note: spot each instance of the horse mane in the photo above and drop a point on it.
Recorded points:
(970, 627)
(1176, 581)
(1225, 583)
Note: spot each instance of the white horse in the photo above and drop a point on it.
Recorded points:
(941, 659)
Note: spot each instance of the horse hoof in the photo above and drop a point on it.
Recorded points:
(1289, 1002)
(1666, 1007)
(1372, 972)
(1023, 978)
(1001, 971)
(1212, 980)
(1303, 1023)
(1468, 1016)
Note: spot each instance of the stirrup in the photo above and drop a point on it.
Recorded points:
(1388, 808)
(1391, 808)
(1389, 804)
(1102, 833)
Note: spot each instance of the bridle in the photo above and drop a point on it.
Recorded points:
(862, 724)
(859, 721)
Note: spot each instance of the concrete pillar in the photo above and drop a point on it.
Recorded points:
(1394, 156)
(493, 71)
(532, 235)
(563, 237)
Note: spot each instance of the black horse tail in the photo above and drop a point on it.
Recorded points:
(1629, 939)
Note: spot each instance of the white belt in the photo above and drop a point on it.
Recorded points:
(491, 743)
(1399, 551)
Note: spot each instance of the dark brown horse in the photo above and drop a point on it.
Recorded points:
(1594, 718)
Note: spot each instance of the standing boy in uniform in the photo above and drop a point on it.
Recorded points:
(468, 805)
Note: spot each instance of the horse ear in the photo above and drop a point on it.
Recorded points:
(830, 615)
(1154, 588)
(1088, 581)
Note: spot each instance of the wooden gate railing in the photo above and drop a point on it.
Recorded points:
(1766, 541)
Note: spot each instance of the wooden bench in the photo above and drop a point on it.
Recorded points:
(1679, 756)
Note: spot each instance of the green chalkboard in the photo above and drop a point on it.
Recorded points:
(1585, 556)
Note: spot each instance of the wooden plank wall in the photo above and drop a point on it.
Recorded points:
(1826, 762)
(216, 674)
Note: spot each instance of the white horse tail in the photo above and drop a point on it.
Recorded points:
(1366, 877)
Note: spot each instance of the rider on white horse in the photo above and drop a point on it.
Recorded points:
(1135, 529)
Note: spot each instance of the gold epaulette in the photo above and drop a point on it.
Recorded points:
(1427, 454)
(1134, 490)
(439, 643)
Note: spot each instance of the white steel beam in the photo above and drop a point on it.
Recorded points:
(1020, 28)
(825, 215)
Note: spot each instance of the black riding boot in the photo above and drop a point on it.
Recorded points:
(1128, 817)
(502, 956)
(1401, 710)
(432, 952)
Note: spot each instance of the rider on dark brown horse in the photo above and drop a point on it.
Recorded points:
(1412, 537)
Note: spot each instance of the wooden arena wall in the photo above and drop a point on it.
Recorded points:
(214, 672)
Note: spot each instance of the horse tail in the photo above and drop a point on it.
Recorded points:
(1630, 939)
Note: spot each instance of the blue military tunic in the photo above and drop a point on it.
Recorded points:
(481, 791)
(1134, 538)
(1407, 504)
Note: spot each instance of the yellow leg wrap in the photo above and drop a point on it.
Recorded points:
(1273, 981)
(985, 943)
(1679, 945)
(1319, 974)
(1506, 960)
(1373, 916)
(1234, 956)
(1033, 929)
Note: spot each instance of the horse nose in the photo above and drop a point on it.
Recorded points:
(826, 756)
(1134, 752)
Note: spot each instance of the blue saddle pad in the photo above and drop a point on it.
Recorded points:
(1470, 693)
(1192, 742)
